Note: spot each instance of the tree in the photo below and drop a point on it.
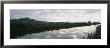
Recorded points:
(89, 22)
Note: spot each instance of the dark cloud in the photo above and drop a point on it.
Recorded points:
(92, 11)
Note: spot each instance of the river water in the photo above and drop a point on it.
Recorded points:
(70, 33)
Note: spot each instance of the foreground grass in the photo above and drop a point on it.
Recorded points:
(96, 34)
(20, 27)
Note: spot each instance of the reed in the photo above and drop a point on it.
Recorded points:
(96, 34)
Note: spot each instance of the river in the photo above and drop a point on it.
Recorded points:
(70, 33)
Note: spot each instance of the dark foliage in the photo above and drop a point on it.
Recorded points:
(96, 34)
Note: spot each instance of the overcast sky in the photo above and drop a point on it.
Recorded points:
(58, 15)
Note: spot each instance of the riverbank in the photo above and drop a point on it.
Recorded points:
(96, 34)
(20, 27)
(70, 33)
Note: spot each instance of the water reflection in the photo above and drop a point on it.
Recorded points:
(71, 33)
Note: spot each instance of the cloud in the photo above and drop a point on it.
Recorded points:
(58, 15)
(92, 11)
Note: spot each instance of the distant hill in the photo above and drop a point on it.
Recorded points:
(25, 20)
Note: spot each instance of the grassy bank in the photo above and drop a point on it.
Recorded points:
(96, 34)
(20, 27)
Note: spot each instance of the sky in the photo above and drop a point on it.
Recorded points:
(58, 15)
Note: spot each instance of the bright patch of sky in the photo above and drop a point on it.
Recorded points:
(58, 15)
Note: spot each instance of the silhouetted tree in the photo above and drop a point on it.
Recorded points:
(89, 22)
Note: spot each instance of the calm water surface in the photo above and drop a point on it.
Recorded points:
(70, 33)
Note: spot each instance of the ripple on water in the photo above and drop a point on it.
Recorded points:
(71, 33)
